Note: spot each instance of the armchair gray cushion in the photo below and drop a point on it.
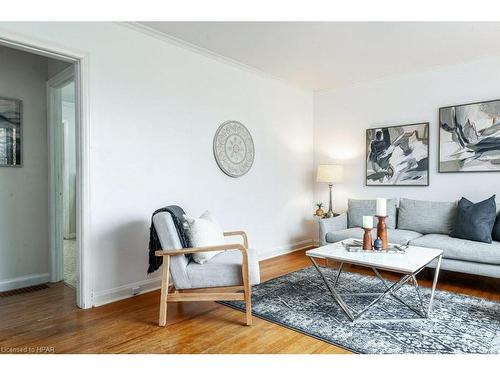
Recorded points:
(222, 270)
(225, 269)
(167, 233)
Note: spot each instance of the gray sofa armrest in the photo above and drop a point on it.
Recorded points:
(331, 224)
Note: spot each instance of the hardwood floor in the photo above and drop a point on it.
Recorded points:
(49, 318)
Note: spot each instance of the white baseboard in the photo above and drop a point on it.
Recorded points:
(301, 245)
(24, 281)
(125, 291)
(149, 285)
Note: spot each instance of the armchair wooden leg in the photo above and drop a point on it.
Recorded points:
(248, 293)
(248, 305)
(164, 290)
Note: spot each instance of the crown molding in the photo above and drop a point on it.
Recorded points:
(207, 53)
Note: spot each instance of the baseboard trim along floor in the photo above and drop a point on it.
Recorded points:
(24, 281)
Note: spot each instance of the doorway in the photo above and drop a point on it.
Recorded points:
(63, 172)
(77, 228)
(69, 183)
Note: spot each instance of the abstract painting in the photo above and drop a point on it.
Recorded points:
(10, 133)
(469, 137)
(398, 155)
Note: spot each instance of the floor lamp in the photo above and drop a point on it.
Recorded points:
(330, 174)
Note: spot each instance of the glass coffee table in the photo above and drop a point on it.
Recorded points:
(407, 264)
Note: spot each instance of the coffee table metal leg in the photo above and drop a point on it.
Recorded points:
(389, 289)
(434, 283)
(402, 280)
(333, 292)
(393, 292)
(417, 289)
(338, 275)
(380, 277)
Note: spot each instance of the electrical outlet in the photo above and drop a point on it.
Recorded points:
(136, 290)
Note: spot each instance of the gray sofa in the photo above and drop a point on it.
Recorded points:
(418, 223)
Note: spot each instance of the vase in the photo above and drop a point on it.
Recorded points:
(367, 239)
(382, 232)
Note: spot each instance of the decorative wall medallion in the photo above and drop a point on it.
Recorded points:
(233, 148)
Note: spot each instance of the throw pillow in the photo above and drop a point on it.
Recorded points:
(426, 216)
(474, 221)
(204, 231)
(496, 230)
(357, 208)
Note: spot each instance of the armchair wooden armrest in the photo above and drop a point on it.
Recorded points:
(190, 250)
(238, 233)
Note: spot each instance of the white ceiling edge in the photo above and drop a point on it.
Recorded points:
(250, 69)
(390, 77)
(207, 53)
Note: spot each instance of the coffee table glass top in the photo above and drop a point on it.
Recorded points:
(411, 261)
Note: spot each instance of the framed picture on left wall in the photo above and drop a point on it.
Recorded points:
(10, 132)
(398, 155)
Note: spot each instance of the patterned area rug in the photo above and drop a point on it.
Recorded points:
(300, 301)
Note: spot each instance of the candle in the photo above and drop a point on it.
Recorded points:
(381, 207)
(368, 222)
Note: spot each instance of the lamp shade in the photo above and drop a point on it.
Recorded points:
(330, 173)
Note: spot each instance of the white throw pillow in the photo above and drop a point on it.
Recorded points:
(205, 231)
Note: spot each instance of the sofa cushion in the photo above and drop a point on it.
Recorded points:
(223, 269)
(395, 235)
(474, 221)
(357, 208)
(426, 216)
(456, 248)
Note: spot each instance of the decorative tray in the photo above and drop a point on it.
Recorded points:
(356, 246)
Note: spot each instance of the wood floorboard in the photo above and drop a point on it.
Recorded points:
(49, 318)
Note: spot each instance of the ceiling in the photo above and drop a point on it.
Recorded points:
(327, 55)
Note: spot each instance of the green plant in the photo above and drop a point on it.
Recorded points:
(319, 204)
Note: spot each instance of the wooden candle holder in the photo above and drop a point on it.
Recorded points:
(367, 239)
(382, 232)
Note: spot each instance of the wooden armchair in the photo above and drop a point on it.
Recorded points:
(228, 276)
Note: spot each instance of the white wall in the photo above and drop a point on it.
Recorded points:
(154, 109)
(24, 248)
(341, 117)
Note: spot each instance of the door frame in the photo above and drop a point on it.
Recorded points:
(56, 142)
(84, 293)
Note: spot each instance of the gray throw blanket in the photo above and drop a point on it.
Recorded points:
(154, 242)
